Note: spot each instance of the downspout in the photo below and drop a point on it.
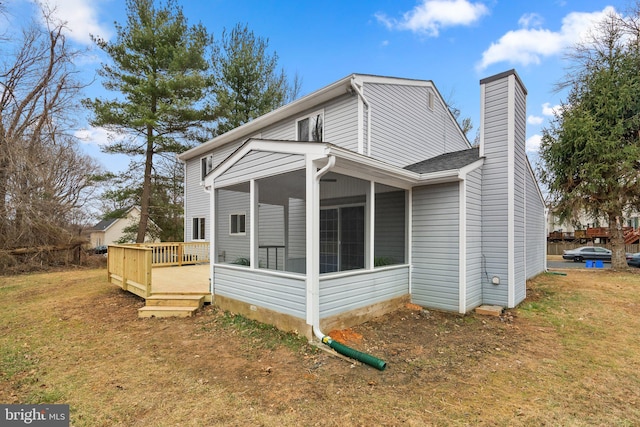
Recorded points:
(366, 103)
(326, 339)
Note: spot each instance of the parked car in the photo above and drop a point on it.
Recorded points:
(101, 250)
(587, 253)
(633, 260)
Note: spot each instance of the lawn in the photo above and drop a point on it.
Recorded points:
(568, 355)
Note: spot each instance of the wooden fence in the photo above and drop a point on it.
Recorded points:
(129, 266)
(556, 248)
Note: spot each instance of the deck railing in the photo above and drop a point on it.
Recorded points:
(129, 266)
(177, 253)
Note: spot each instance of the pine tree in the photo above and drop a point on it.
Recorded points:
(160, 73)
(247, 83)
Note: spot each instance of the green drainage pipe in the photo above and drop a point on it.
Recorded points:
(355, 354)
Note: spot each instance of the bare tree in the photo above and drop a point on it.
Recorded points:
(44, 179)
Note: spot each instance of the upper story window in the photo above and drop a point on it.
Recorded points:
(206, 166)
(311, 128)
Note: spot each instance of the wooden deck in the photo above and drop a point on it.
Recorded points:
(170, 287)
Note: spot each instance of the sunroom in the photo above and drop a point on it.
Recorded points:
(307, 234)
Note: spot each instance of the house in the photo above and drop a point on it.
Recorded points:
(111, 231)
(364, 195)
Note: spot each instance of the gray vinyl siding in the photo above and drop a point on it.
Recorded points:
(356, 290)
(520, 171)
(435, 246)
(403, 127)
(535, 231)
(390, 227)
(340, 123)
(231, 247)
(196, 200)
(260, 164)
(276, 292)
(474, 239)
(494, 190)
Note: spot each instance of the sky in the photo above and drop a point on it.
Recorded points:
(454, 43)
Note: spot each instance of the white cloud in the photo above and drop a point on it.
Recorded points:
(530, 20)
(430, 16)
(533, 143)
(529, 45)
(535, 120)
(97, 136)
(81, 18)
(549, 111)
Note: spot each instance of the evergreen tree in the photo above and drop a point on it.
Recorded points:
(247, 83)
(159, 71)
(591, 152)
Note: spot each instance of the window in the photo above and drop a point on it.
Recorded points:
(206, 166)
(198, 228)
(311, 128)
(342, 239)
(237, 223)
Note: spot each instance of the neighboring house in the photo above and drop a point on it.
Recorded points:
(364, 195)
(110, 231)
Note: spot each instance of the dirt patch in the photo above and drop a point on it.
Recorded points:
(72, 338)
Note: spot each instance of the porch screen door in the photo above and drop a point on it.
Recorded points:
(342, 239)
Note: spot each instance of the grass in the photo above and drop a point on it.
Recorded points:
(567, 356)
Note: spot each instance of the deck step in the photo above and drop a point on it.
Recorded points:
(163, 311)
(168, 300)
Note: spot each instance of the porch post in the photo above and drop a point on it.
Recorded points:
(253, 235)
(370, 225)
(213, 249)
(312, 243)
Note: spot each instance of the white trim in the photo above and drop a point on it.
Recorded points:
(253, 228)
(213, 258)
(409, 235)
(482, 117)
(511, 273)
(308, 102)
(312, 249)
(238, 213)
(370, 223)
(462, 248)
(309, 116)
(198, 239)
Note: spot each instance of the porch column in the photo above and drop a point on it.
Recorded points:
(254, 221)
(213, 247)
(312, 243)
(370, 227)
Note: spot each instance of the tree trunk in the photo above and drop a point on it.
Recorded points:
(618, 256)
(146, 188)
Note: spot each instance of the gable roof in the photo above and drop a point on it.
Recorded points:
(446, 161)
(104, 224)
(312, 100)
